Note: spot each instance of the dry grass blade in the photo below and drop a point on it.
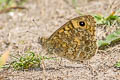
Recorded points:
(11, 8)
(8, 5)
(4, 58)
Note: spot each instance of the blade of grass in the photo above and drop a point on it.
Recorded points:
(4, 58)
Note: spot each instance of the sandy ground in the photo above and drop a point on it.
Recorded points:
(19, 32)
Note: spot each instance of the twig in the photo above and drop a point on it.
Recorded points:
(8, 9)
(44, 72)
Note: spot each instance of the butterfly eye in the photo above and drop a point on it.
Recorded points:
(82, 23)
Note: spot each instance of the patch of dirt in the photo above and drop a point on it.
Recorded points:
(20, 33)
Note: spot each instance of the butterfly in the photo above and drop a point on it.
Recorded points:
(75, 40)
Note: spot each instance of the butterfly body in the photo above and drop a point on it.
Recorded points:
(75, 40)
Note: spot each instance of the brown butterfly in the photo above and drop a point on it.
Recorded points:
(75, 40)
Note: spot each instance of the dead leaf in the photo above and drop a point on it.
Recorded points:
(4, 58)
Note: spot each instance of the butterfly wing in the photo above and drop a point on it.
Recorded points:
(75, 40)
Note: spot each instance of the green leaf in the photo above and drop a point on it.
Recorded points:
(30, 60)
(114, 17)
(110, 39)
(98, 17)
(117, 65)
(102, 43)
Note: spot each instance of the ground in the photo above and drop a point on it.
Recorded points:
(20, 33)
